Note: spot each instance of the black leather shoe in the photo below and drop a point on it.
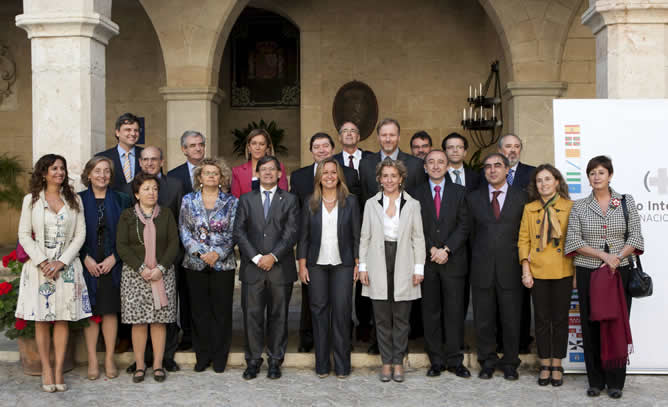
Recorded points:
(435, 370)
(510, 373)
(546, 381)
(460, 371)
(171, 365)
(614, 393)
(555, 382)
(274, 371)
(593, 392)
(252, 369)
(132, 368)
(201, 366)
(486, 373)
(373, 349)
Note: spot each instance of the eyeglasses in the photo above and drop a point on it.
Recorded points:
(352, 131)
(450, 148)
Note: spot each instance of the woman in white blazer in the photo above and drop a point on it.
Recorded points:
(52, 229)
(392, 255)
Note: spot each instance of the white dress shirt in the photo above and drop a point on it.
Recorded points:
(453, 176)
(329, 241)
(191, 171)
(502, 196)
(357, 156)
(272, 192)
(393, 156)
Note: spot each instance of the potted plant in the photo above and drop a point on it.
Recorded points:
(24, 331)
(276, 133)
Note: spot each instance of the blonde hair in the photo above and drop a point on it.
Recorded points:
(341, 188)
(267, 139)
(396, 164)
(223, 168)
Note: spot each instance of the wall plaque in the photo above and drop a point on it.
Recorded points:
(356, 102)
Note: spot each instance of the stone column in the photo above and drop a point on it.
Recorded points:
(191, 109)
(531, 117)
(68, 39)
(631, 47)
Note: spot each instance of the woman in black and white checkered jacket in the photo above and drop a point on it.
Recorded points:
(597, 235)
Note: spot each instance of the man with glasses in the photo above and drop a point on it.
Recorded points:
(350, 156)
(455, 147)
(420, 144)
(266, 229)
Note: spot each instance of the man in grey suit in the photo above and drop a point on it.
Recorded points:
(169, 196)
(265, 228)
(496, 213)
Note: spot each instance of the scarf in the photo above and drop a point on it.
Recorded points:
(150, 260)
(608, 305)
(112, 212)
(550, 230)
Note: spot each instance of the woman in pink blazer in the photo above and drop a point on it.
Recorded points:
(244, 176)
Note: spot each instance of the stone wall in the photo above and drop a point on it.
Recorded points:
(578, 66)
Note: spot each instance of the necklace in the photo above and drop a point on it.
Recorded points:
(328, 200)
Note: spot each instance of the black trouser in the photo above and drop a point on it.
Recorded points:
(364, 313)
(591, 334)
(392, 317)
(525, 321)
(256, 298)
(185, 314)
(331, 301)
(486, 303)
(551, 302)
(443, 304)
(212, 292)
(305, 318)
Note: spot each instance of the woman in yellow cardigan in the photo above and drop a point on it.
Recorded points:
(545, 269)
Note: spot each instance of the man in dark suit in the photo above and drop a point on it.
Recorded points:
(193, 144)
(445, 225)
(169, 197)
(125, 154)
(495, 213)
(266, 229)
(301, 184)
(519, 176)
(455, 146)
(388, 131)
(350, 155)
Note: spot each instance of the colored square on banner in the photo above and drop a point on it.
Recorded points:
(576, 357)
(572, 141)
(574, 188)
(572, 152)
(572, 129)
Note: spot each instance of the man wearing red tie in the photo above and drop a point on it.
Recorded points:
(445, 225)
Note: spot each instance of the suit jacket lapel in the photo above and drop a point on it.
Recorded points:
(510, 199)
(310, 176)
(426, 193)
(275, 203)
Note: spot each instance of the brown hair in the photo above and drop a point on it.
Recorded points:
(398, 165)
(341, 188)
(388, 120)
(532, 189)
(91, 164)
(38, 180)
(223, 168)
(601, 160)
(142, 177)
(267, 139)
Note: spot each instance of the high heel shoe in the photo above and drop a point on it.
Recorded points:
(555, 382)
(546, 381)
(49, 388)
(94, 375)
(61, 387)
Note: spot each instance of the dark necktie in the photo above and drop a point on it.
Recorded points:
(510, 177)
(350, 162)
(495, 204)
(267, 203)
(458, 179)
(437, 200)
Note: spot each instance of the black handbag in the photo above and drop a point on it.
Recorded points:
(640, 283)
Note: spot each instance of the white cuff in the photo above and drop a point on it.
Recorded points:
(362, 267)
(274, 256)
(256, 259)
(419, 269)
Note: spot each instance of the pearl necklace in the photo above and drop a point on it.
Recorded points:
(329, 201)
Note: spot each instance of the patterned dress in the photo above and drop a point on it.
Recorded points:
(45, 299)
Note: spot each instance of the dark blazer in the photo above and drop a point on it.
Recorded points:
(301, 182)
(119, 179)
(520, 179)
(416, 175)
(339, 157)
(494, 242)
(471, 177)
(169, 195)
(183, 174)
(277, 234)
(450, 229)
(348, 223)
(242, 179)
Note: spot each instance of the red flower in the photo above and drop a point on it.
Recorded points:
(5, 287)
(96, 318)
(6, 259)
(615, 202)
(20, 324)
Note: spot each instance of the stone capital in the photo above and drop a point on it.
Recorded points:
(603, 13)
(211, 93)
(67, 24)
(551, 89)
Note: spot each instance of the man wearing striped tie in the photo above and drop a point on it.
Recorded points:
(455, 147)
(125, 154)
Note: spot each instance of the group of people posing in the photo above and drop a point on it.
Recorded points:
(140, 243)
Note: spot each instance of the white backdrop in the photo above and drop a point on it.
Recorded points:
(634, 134)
